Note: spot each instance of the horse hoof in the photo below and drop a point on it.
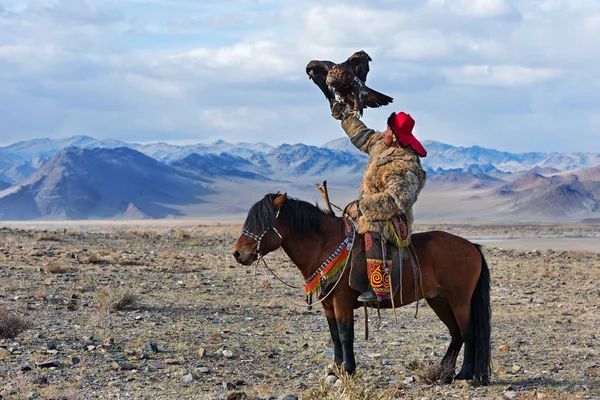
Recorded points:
(463, 376)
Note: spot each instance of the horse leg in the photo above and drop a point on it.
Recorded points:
(338, 354)
(344, 315)
(462, 311)
(442, 309)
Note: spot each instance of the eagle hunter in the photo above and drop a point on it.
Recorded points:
(347, 82)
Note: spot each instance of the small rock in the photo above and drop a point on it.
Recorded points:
(504, 348)
(288, 397)
(515, 368)
(26, 367)
(151, 346)
(229, 386)
(49, 364)
(4, 353)
(236, 396)
(51, 345)
(123, 366)
(509, 394)
(227, 353)
(501, 370)
(172, 361)
(331, 380)
(188, 378)
(75, 360)
(203, 370)
(201, 352)
(41, 380)
(108, 342)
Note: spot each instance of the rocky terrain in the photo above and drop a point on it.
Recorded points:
(166, 313)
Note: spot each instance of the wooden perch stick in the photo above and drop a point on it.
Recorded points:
(323, 190)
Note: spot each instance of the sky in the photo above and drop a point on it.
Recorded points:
(512, 75)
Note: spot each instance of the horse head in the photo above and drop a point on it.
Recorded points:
(262, 229)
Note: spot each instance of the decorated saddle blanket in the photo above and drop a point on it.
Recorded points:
(396, 232)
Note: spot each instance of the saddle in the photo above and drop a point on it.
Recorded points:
(358, 278)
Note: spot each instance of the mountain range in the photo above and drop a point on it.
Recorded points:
(82, 177)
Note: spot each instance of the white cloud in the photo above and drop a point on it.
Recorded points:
(183, 70)
(481, 8)
(500, 75)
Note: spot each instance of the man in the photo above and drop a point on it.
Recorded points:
(391, 183)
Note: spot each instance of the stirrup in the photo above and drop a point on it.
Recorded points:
(368, 296)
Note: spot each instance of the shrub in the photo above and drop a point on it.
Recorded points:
(11, 324)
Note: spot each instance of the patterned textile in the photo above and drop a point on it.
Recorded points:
(399, 230)
(378, 273)
(379, 277)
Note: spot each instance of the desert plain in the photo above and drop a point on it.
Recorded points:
(161, 310)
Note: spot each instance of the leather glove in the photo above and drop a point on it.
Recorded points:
(340, 111)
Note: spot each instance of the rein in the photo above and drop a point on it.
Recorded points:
(348, 242)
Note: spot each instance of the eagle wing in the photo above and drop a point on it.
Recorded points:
(359, 62)
(317, 71)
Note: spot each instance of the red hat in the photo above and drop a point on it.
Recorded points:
(402, 125)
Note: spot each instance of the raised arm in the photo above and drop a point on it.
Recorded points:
(356, 130)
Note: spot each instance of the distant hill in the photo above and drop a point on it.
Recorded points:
(169, 152)
(46, 178)
(302, 161)
(545, 197)
(29, 149)
(100, 183)
(462, 180)
(213, 166)
(4, 185)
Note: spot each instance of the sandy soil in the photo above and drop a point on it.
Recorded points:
(234, 334)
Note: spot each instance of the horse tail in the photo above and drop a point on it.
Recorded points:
(481, 314)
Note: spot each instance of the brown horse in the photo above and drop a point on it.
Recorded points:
(455, 278)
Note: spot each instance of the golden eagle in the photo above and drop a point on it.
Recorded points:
(347, 82)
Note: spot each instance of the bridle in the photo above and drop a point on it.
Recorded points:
(258, 238)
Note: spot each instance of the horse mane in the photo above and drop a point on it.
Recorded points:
(302, 216)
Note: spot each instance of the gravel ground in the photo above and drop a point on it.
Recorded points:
(168, 314)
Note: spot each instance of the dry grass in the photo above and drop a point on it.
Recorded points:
(95, 258)
(56, 392)
(111, 299)
(432, 373)
(11, 324)
(56, 269)
(46, 237)
(352, 387)
(181, 233)
(16, 386)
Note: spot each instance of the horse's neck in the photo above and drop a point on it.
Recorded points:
(308, 252)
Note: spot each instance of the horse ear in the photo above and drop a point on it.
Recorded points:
(279, 200)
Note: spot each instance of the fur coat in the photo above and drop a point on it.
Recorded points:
(392, 180)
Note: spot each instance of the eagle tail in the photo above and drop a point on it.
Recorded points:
(374, 99)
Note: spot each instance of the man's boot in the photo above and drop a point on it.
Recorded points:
(367, 296)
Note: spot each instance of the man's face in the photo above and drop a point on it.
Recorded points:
(388, 137)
